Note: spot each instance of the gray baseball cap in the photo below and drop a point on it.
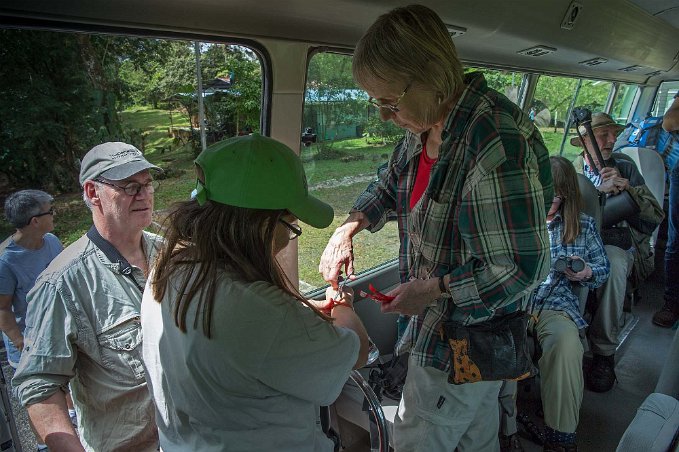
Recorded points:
(113, 161)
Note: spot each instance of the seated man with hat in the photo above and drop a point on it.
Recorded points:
(627, 244)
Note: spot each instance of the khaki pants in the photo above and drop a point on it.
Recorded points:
(608, 318)
(507, 400)
(436, 416)
(561, 380)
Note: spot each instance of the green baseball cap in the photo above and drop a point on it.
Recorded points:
(258, 172)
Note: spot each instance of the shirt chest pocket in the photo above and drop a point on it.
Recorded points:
(435, 235)
(120, 350)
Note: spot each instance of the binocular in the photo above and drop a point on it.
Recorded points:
(564, 262)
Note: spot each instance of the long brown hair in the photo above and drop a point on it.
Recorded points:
(203, 241)
(566, 185)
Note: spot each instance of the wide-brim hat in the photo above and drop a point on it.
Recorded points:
(258, 172)
(599, 120)
(114, 161)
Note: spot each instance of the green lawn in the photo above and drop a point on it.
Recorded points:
(369, 249)
(154, 125)
(553, 142)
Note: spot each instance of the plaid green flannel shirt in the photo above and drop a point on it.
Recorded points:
(481, 219)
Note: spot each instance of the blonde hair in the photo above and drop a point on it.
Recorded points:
(566, 185)
(218, 237)
(412, 44)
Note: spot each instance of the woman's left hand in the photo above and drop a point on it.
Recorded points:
(412, 297)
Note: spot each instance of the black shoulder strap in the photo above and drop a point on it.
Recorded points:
(112, 254)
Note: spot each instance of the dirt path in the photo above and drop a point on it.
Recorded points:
(343, 182)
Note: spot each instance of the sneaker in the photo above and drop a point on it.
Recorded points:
(560, 447)
(602, 373)
(667, 316)
(510, 443)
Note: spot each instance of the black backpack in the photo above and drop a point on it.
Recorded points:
(388, 379)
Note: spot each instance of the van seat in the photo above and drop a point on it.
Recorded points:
(591, 205)
(651, 166)
(655, 427)
(591, 200)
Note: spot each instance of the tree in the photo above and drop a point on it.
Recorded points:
(56, 101)
(593, 94)
(238, 106)
(555, 93)
(505, 82)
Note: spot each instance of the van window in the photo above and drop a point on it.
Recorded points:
(554, 98)
(344, 143)
(664, 97)
(508, 83)
(622, 104)
(62, 93)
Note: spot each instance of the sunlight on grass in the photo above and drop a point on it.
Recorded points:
(355, 157)
(370, 250)
(553, 142)
(154, 125)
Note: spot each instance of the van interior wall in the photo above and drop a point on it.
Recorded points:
(616, 30)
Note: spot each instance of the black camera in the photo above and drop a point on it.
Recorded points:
(582, 114)
(564, 262)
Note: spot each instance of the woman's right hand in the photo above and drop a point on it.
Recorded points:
(337, 257)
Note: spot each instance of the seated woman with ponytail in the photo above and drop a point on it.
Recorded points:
(578, 257)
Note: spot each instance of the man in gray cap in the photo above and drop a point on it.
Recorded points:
(83, 324)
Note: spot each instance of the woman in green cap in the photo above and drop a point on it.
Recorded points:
(236, 358)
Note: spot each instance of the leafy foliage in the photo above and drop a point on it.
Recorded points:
(56, 101)
(60, 94)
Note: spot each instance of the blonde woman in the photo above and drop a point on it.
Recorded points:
(469, 186)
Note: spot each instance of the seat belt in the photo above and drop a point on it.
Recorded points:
(113, 255)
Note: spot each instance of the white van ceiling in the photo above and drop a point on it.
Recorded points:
(623, 34)
(667, 10)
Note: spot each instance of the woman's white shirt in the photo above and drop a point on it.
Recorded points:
(257, 383)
